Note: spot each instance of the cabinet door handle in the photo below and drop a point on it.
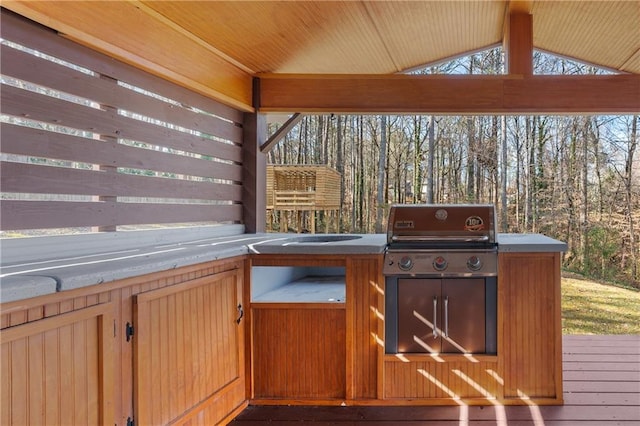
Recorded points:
(435, 317)
(240, 313)
(446, 316)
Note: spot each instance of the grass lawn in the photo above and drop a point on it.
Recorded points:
(589, 307)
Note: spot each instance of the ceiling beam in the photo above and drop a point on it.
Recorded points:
(450, 94)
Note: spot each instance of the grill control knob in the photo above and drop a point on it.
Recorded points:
(440, 263)
(474, 263)
(405, 263)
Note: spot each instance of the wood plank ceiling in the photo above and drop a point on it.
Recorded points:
(217, 47)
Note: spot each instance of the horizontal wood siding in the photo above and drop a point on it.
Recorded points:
(188, 347)
(530, 346)
(116, 136)
(59, 371)
(61, 214)
(19, 177)
(299, 353)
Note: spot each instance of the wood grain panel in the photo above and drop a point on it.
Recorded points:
(107, 92)
(40, 143)
(188, 346)
(21, 31)
(530, 343)
(297, 260)
(444, 380)
(299, 353)
(210, 75)
(177, 139)
(518, 44)
(58, 371)
(23, 103)
(38, 179)
(62, 214)
(587, 94)
(364, 285)
(450, 94)
(373, 93)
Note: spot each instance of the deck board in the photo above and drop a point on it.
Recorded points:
(601, 387)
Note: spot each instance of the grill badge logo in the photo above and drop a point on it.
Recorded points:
(404, 224)
(474, 223)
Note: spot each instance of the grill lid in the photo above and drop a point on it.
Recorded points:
(429, 224)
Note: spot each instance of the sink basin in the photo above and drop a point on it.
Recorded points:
(319, 239)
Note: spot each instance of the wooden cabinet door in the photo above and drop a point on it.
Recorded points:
(189, 351)
(299, 351)
(59, 370)
(531, 343)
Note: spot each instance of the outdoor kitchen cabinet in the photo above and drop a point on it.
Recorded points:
(153, 349)
(317, 352)
(530, 346)
(527, 368)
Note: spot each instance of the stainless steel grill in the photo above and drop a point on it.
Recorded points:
(442, 240)
(441, 267)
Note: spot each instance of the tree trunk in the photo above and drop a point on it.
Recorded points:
(633, 144)
(470, 160)
(382, 160)
(431, 161)
(340, 168)
(504, 218)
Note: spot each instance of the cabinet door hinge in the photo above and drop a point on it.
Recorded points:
(130, 422)
(129, 332)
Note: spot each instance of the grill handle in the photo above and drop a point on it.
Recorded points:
(435, 317)
(439, 238)
(446, 316)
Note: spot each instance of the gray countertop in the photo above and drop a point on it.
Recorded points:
(42, 265)
(529, 243)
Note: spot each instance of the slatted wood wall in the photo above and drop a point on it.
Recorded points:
(91, 142)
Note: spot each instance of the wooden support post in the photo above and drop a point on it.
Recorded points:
(518, 44)
(312, 219)
(254, 164)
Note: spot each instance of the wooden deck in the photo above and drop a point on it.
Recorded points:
(601, 387)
